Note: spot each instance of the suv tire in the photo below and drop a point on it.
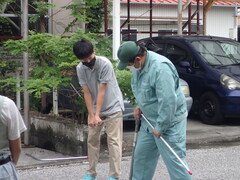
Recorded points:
(209, 109)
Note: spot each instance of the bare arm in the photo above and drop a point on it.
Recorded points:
(100, 97)
(88, 101)
(15, 148)
(100, 100)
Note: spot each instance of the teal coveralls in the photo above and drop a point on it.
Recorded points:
(160, 98)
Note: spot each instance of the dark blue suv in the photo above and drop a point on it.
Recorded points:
(211, 67)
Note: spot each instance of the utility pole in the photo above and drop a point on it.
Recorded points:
(116, 27)
(180, 17)
(24, 32)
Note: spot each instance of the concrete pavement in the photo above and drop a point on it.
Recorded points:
(198, 136)
(206, 164)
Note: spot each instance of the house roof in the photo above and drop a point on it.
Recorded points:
(224, 3)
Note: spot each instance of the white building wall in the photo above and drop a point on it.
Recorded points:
(164, 17)
(61, 17)
(219, 21)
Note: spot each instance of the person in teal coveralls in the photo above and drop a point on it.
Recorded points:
(155, 84)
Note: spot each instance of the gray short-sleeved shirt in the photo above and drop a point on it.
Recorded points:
(102, 72)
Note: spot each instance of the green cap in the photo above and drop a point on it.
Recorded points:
(126, 52)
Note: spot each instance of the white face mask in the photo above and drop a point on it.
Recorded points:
(132, 68)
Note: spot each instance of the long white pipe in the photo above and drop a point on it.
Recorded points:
(56, 159)
(169, 147)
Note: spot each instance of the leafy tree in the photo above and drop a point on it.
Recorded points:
(6, 24)
(53, 63)
(41, 7)
(91, 12)
(7, 69)
(124, 80)
(50, 55)
(2, 2)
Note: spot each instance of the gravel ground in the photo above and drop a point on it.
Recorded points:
(206, 164)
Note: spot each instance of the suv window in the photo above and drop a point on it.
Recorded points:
(158, 48)
(217, 53)
(175, 54)
(231, 50)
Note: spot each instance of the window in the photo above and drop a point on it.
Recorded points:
(170, 32)
(164, 32)
(194, 28)
(175, 54)
(158, 48)
(217, 53)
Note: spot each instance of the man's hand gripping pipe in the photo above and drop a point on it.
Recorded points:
(108, 119)
(169, 147)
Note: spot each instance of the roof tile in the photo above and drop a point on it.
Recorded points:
(227, 3)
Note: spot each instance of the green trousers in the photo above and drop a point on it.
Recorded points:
(149, 149)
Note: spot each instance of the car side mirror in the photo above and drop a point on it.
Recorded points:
(186, 65)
